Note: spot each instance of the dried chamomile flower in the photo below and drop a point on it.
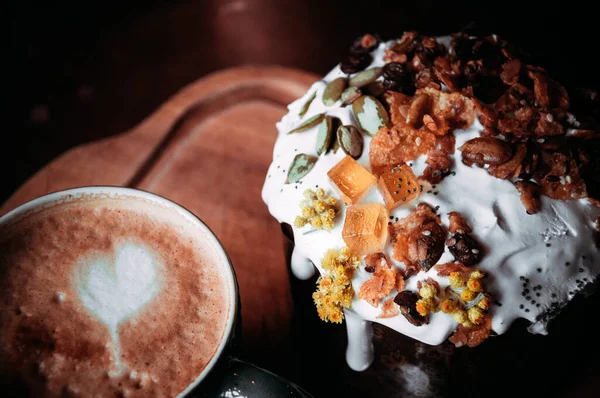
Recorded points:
(334, 290)
(317, 210)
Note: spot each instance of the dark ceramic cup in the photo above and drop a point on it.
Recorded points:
(225, 375)
(517, 363)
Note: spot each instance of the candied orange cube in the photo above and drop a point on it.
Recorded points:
(365, 228)
(399, 185)
(351, 179)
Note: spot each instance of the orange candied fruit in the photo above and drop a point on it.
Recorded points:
(351, 179)
(399, 185)
(365, 228)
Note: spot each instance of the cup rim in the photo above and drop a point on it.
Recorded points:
(115, 191)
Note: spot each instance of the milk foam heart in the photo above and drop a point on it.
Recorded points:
(114, 288)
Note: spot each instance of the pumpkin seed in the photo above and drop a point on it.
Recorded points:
(365, 77)
(308, 124)
(324, 134)
(300, 167)
(349, 95)
(335, 124)
(306, 105)
(350, 140)
(370, 114)
(333, 90)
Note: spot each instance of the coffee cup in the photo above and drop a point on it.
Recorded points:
(120, 291)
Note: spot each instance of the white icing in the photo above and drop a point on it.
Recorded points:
(114, 289)
(515, 243)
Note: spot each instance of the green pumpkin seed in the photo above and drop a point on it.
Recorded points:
(365, 77)
(324, 134)
(333, 91)
(306, 105)
(350, 95)
(335, 124)
(374, 89)
(350, 140)
(308, 124)
(370, 114)
(300, 167)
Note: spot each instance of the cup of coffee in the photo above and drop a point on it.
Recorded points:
(109, 291)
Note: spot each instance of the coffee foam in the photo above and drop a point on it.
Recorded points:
(96, 296)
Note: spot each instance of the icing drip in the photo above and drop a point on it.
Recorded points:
(301, 265)
(359, 353)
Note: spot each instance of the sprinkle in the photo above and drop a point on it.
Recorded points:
(474, 251)
(522, 278)
(583, 257)
(429, 191)
(526, 309)
(539, 270)
(553, 295)
(580, 270)
(538, 294)
(528, 298)
(567, 264)
(548, 245)
(521, 306)
(435, 193)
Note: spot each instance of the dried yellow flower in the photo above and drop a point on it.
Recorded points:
(477, 274)
(476, 315)
(448, 306)
(485, 303)
(475, 285)
(427, 291)
(468, 295)
(461, 317)
(425, 306)
(317, 209)
(334, 290)
(456, 280)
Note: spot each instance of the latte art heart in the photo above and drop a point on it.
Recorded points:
(114, 288)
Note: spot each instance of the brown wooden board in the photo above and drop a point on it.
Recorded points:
(207, 148)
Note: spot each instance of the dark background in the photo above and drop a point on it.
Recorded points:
(86, 70)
